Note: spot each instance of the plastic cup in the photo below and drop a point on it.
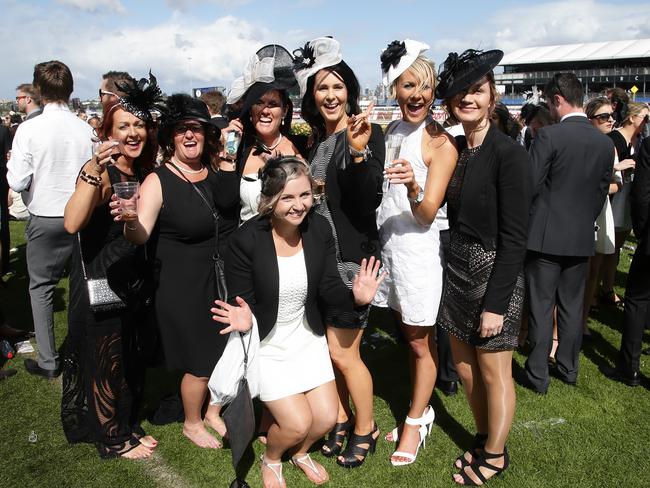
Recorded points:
(127, 192)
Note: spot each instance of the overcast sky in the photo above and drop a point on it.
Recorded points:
(207, 42)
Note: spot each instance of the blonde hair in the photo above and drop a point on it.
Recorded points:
(424, 71)
(274, 177)
(633, 109)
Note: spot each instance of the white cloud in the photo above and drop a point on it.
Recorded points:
(183, 5)
(96, 5)
(178, 52)
(553, 23)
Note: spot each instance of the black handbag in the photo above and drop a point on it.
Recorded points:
(221, 290)
(101, 296)
(239, 417)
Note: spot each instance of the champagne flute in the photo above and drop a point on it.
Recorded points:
(393, 145)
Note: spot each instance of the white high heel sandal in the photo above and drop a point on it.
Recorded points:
(427, 419)
(425, 424)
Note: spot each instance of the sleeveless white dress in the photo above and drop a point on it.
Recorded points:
(410, 252)
(293, 359)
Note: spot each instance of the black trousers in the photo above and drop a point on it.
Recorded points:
(554, 280)
(446, 368)
(637, 312)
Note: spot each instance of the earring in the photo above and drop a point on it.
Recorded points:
(347, 107)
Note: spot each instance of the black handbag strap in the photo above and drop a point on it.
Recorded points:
(246, 349)
(215, 213)
(81, 254)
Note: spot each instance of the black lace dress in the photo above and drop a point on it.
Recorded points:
(103, 367)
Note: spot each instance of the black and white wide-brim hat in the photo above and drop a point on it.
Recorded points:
(398, 57)
(460, 72)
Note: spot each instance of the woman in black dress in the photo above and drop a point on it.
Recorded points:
(487, 201)
(185, 235)
(103, 370)
(346, 160)
(265, 120)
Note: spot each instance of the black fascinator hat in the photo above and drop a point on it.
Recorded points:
(460, 72)
(271, 68)
(180, 106)
(141, 98)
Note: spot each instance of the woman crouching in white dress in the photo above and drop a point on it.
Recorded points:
(409, 237)
(281, 264)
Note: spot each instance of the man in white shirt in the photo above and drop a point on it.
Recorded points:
(47, 153)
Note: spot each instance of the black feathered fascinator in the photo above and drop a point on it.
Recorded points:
(180, 107)
(460, 72)
(141, 98)
(398, 57)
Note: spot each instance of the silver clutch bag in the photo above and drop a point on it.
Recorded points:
(101, 297)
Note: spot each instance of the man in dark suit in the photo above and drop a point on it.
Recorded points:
(571, 168)
(637, 292)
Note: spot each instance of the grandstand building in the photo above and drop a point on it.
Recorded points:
(599, 65)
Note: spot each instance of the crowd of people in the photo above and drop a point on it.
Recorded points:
(237, 225)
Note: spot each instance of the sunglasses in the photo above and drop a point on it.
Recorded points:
(183, 128)
(105, 93)
(20, 97)
(604, 117)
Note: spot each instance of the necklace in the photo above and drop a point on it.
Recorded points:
(188, 171)
(272, 147)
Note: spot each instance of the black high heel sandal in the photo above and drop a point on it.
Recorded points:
(335, 439)
(479, 443)
(481, 462)
(353, 449)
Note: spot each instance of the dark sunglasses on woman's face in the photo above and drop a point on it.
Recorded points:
(183, 128)
(604, 117)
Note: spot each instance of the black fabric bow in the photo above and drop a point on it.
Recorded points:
(392, 55)
(142, 97)
(303, 58)
(260, 148)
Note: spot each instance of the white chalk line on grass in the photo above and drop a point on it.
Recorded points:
(155, 466)
(538, 426)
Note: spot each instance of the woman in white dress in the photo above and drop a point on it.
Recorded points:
(409, 237)
(283, 263)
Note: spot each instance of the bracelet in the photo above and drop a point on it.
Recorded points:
(360, 154)
(89, 179)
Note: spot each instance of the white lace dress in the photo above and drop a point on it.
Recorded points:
(410, 252)
(292, 358)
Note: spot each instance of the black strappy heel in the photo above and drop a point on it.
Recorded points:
(353, 449)
(481, 462)
(479, 443)
(335, 439)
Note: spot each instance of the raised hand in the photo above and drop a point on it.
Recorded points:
(359, 129)
(103, 156)
(365, 284)
(239, 318)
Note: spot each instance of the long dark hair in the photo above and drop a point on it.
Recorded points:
(311, 113)
(147, 159)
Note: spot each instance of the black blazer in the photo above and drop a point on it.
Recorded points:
(494, 203)
(640, 198)
(252, 271)
(572, 165)
(353, 194)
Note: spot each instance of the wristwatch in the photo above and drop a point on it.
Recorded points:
(418, 198)
(360, 154)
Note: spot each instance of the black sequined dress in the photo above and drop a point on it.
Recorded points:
(469, 267)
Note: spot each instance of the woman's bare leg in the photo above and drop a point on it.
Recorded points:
(193, 391)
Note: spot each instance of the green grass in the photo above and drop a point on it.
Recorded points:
(595, 435)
